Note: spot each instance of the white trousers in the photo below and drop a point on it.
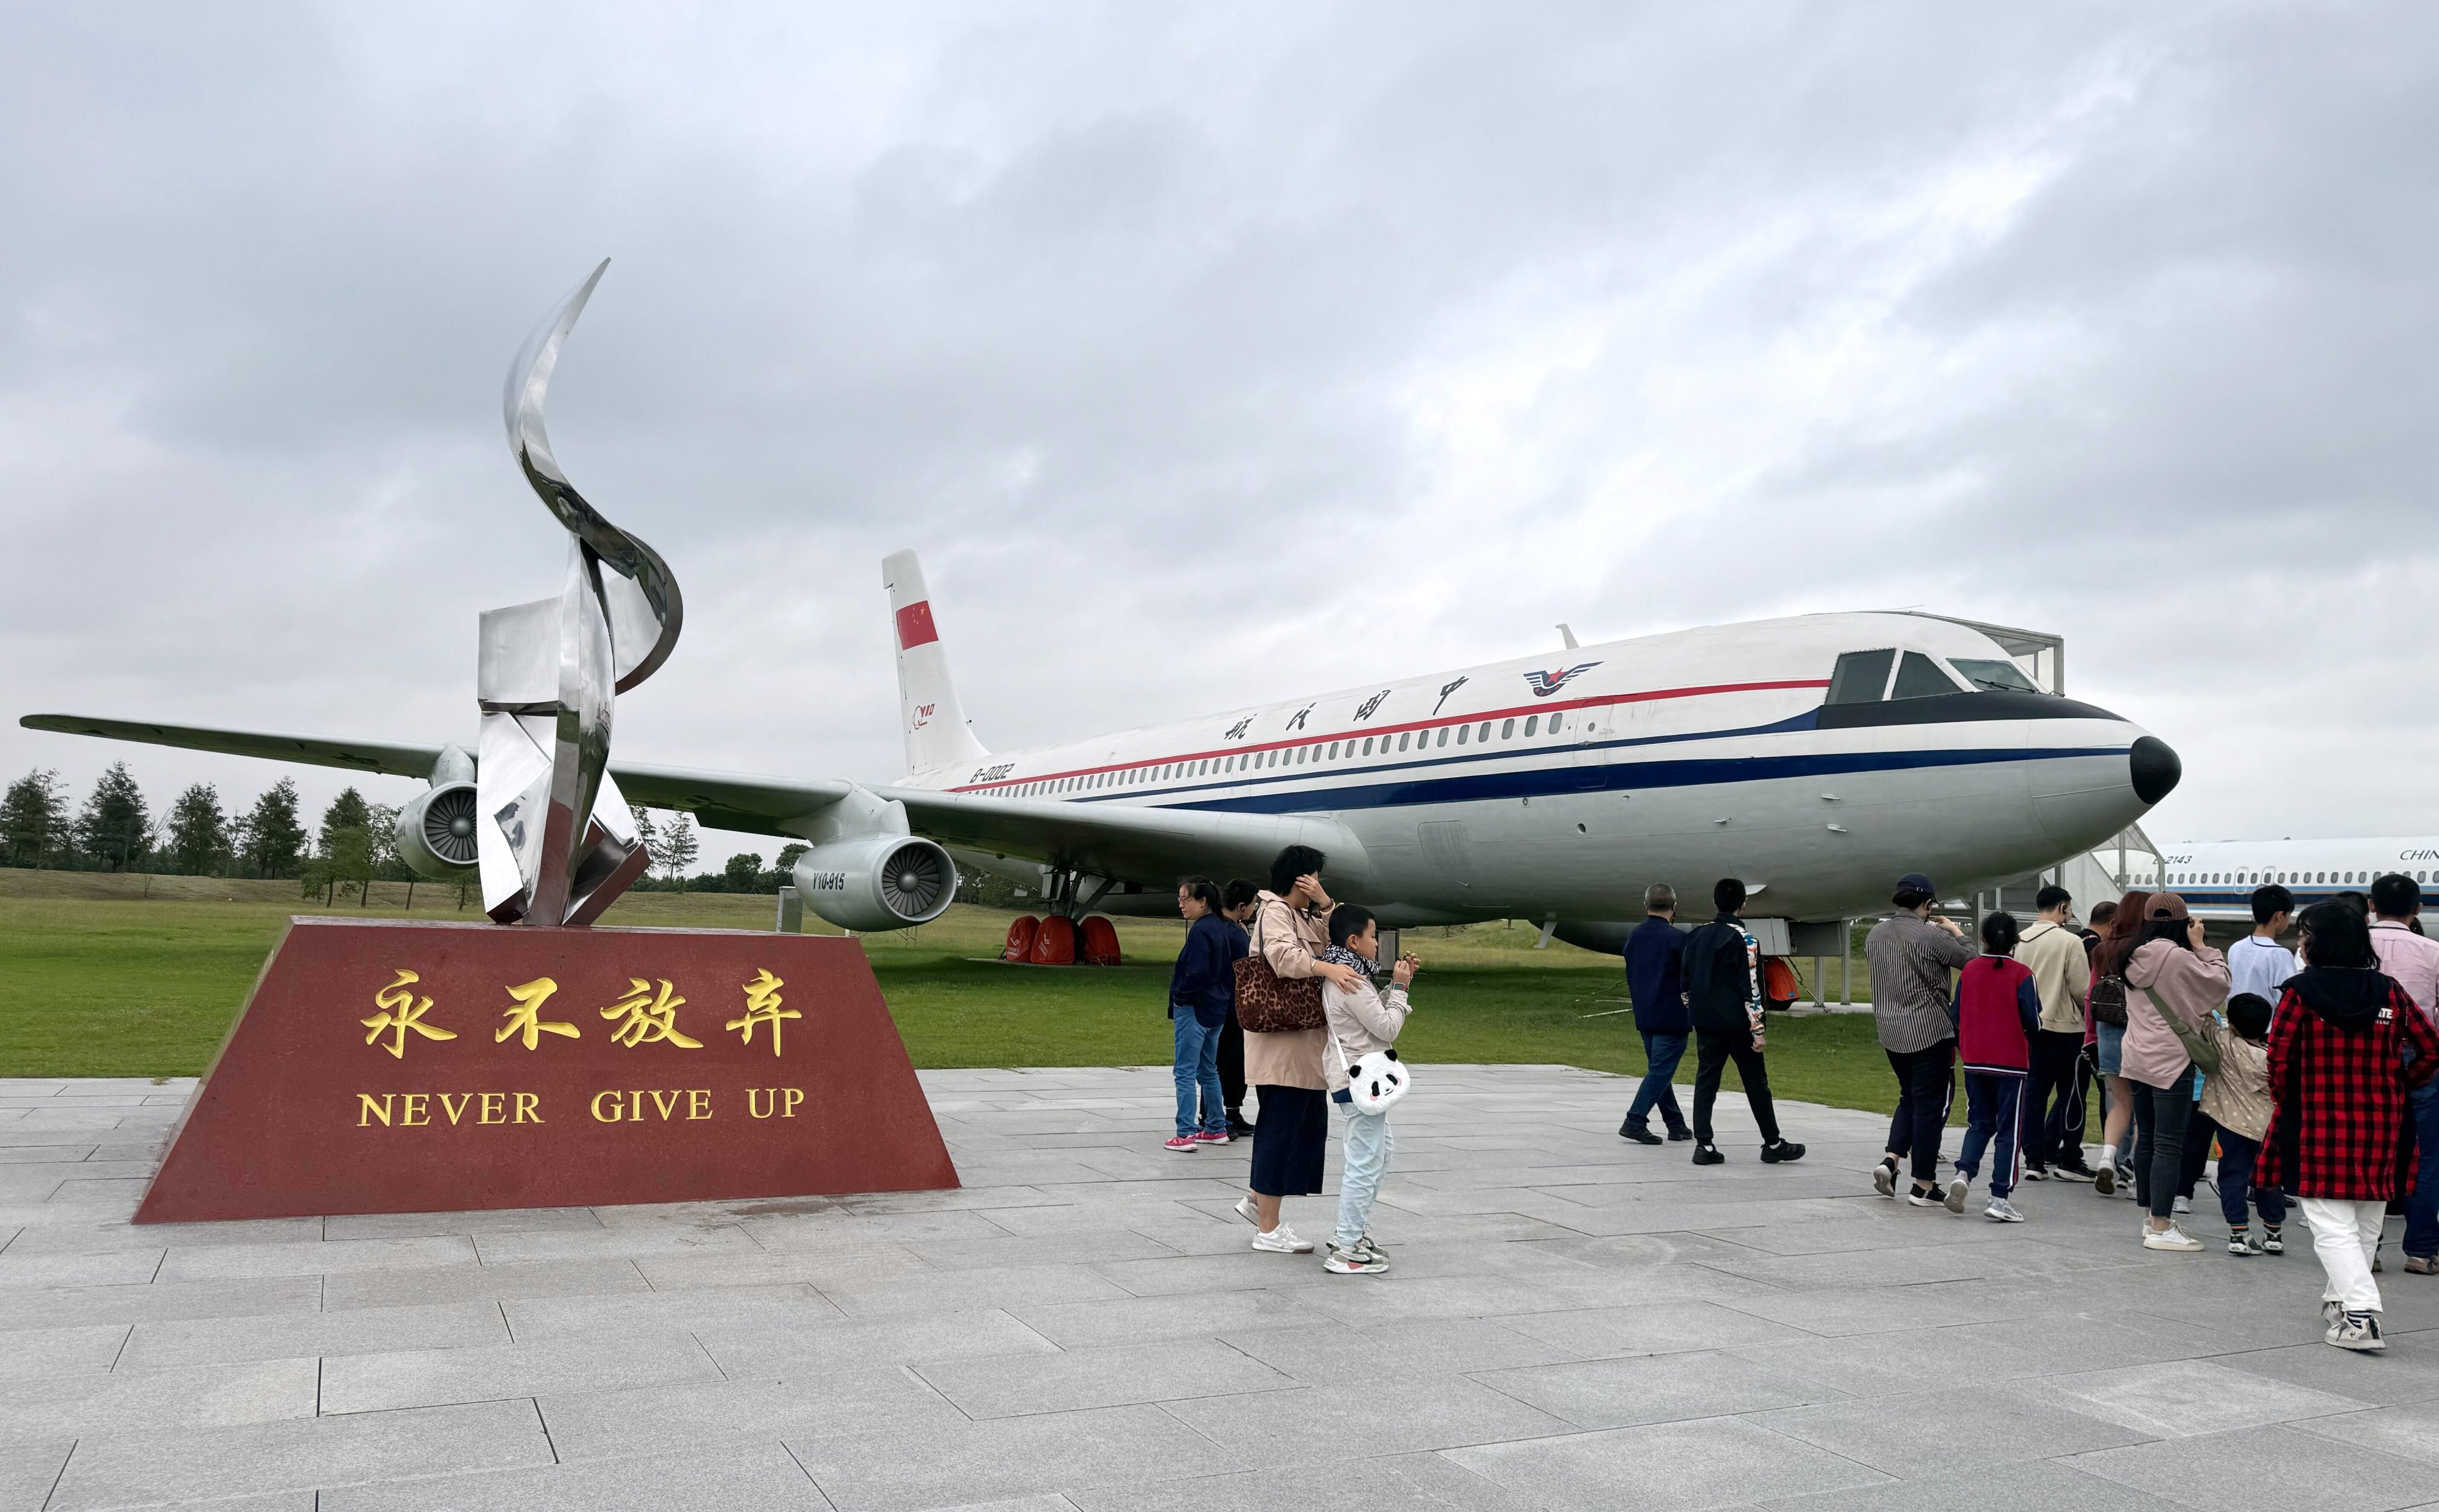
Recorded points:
(2345, 1235)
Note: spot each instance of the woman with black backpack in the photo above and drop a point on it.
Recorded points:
(2106, 1001)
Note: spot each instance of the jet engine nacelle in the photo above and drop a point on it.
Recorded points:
(435, 832)
(877, 881)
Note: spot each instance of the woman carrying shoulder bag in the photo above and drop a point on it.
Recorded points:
(1278, 1003)
(2170, 972)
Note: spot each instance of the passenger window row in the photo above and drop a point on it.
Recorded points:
(1289, 755)
(2300, 878)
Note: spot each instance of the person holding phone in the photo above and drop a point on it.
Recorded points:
(2170, 971)
(1362, 1019)
(1291, 1139)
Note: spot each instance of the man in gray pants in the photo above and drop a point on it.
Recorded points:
(1910, 954)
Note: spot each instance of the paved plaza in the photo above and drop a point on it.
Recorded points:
(1572, 1322)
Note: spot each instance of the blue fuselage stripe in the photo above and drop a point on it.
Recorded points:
(1596, 776)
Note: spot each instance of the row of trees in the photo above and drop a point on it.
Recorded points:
(355, 842)
(673, 846)
(114, 829)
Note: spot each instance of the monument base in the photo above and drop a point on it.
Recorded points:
(404, 1066)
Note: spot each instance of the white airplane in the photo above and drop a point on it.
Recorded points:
(2215, 878)
(1817, 758)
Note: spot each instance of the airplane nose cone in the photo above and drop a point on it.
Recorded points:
(2155, 768)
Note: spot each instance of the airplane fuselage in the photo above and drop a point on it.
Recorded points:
(2216, 876)
(1561, 788)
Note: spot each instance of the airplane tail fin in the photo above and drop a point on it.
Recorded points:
(933, 721)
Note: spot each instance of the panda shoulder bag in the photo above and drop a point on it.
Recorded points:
(1377, 1082)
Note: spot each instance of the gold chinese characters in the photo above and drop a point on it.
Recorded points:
(527, 1018)
(401, 1010)
(645, 1014)
(762, 1006)
(650, 1020)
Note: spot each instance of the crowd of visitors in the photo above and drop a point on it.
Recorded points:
(2312, 1074)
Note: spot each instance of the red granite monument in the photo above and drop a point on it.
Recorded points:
(393, 1066)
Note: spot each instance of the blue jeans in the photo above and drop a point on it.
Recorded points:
(1994, 1105)
(2236, 1157)
(1197, 1077)
(2422, 1210)
(1368, 1147)
(1661, 1053)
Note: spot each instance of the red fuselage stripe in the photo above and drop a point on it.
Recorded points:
(1553, 707)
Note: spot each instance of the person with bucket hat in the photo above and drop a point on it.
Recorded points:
(1910, 954)
(2170, 971)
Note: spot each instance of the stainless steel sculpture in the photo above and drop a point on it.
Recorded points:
(555, 841)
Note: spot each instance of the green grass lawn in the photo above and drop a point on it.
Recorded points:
(131, 976)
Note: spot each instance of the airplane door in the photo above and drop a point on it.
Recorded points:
(1587, 768)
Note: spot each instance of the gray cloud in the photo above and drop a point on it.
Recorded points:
(1210, 357)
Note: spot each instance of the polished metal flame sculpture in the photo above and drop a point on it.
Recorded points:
(555, 840)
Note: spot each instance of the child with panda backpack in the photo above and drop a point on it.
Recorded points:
(1361, 1020)
(1997, 1011)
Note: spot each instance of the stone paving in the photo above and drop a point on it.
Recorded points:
(1572, 1322)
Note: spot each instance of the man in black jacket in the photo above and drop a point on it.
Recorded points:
(1722, 975)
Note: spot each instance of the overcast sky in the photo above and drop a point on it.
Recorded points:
(1211, 354)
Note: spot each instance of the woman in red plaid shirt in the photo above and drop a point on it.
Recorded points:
(2336, 1071)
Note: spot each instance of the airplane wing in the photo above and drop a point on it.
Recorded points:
(723, 800)
(1103, 840)
(1133, 843)
(359, 755)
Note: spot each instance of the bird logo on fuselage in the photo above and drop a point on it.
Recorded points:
(1545, 684)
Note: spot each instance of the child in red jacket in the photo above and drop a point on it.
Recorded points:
(1997, 1010)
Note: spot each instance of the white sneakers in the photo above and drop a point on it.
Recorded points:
(1957, 1188)
(1359, 1259)
(2359, 1331)
(2171, 1238)
(1281, 1240)
(1246, 1210)
(2001, 1211)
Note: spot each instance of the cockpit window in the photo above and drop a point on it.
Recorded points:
(1919, 677)
(1994, 677)
(1860, 677)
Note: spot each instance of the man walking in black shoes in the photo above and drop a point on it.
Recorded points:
(1723, 972)
(1653, 955)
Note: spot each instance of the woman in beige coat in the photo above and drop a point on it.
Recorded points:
(1291, 930)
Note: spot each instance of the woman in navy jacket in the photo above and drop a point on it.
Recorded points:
(1202, 989)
